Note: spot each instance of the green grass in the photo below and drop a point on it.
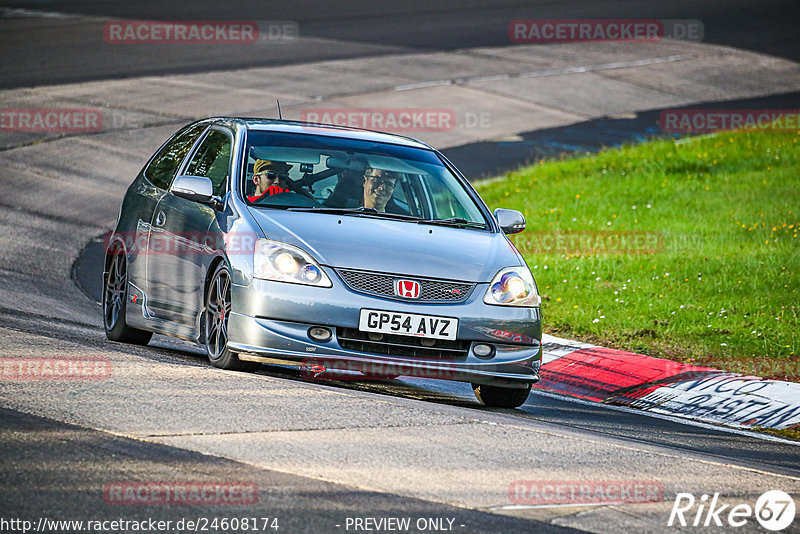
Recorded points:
(788, 433)
(721, 289)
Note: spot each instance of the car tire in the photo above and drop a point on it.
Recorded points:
(115, 303)
(218, 307)
(500, 397)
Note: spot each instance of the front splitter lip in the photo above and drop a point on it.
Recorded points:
(289, 343)
(401, 367)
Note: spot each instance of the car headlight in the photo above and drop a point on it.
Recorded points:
(278, 261)
(513, 286)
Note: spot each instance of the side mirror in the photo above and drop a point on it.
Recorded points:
(195, 188)
(510, 221)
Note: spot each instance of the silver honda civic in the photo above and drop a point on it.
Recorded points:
(341, 251)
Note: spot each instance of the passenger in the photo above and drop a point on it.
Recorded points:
(378, 188)
(356, 189)
(269, 178)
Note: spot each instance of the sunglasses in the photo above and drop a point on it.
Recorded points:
(269, 174)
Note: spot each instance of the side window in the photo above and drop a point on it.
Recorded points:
(165, 164)
(213, 160)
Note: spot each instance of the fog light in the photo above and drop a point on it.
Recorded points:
(482, 351)
(318, 333)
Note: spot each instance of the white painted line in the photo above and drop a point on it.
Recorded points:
(554, 72)
(606, 66)
(17, 13)
(421, 85)
(672, 418)
(548, 72)
(494, 78)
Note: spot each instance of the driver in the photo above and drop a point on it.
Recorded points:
(269, 178)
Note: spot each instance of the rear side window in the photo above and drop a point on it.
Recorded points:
(213, 160)
(165, 164)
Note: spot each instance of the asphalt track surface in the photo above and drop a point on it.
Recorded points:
(56, 468)
(33, 482)
(48, 50)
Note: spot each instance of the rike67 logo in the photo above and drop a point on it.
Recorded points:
(774, 510)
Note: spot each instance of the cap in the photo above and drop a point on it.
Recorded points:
(262, 165)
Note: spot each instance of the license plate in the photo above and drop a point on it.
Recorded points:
(408, 324)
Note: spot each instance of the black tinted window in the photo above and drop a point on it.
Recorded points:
(212, 160)
(165, 164)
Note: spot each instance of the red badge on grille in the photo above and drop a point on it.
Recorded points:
(408, 289)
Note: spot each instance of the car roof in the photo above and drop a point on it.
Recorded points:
(276, 125)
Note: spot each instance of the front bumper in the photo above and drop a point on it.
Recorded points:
(270, 322)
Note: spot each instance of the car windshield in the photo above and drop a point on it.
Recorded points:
(334, 175)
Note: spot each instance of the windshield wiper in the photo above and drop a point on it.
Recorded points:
(326, 209)
(357, 211)
(458, 222)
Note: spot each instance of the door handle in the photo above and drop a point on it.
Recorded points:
(161, 218)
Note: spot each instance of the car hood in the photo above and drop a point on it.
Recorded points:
(385, 245)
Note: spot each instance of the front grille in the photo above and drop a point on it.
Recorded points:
(402, 346)
(383, 285)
